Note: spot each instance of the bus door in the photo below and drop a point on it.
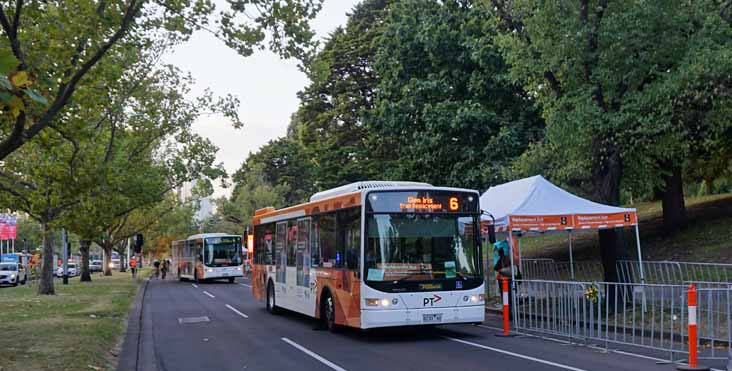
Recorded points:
(281, 262)
(305, 299)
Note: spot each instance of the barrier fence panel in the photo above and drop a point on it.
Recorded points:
(652, 316)
(648, 316)
(669, 272)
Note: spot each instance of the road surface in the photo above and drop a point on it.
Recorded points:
(220, 326)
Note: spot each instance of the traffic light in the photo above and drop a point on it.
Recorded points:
(138, 243)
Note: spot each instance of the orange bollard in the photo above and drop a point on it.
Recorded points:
(693, 365)
(504, 293)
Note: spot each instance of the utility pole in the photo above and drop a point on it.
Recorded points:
(64, 256)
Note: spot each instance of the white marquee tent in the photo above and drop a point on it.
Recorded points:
(536, 205)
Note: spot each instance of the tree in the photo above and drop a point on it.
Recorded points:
(50, 48)
(607, 75)
(252, 192)
(342, 89)
(151, 135)
(446, 111)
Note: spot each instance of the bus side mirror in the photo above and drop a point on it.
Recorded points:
(491, 227)
(492, 233)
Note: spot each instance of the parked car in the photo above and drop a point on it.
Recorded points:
(12, 273)
(95, 266)
(71, 270)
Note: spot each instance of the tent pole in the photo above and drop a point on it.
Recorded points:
(640, 256)
(519, 253)
(510, 254)
(571, 257)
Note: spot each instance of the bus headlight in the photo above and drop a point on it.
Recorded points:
(372, 302)
(477, 298)
(209, 270)
(238, 268)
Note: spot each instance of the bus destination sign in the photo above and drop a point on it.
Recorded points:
(422, 202)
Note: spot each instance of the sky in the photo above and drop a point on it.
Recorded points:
(265, 84)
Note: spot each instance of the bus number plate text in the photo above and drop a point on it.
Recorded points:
(435, 317)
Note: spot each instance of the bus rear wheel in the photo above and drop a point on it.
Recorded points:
(329, 313)
(271, 303)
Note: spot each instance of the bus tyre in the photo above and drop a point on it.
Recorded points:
(231, 279)
(329, 313)
(271, 303)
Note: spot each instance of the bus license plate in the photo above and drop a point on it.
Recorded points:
(224, 274)
(436, 317)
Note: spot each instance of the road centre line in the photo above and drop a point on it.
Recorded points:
(617, 351)
(194, 285)
(236, 311)
(517, 355)
(314, 355)
(209, 294)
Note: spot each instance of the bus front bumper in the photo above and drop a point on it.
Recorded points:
(413, 317)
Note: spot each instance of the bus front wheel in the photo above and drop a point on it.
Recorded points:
(271, 303)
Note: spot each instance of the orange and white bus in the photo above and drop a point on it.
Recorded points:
(373, 254)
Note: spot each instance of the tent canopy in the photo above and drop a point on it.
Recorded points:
(535, 204)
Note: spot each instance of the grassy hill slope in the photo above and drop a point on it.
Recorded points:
(707, 238)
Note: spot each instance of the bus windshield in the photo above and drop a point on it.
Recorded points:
(411, 251)
(222, 252)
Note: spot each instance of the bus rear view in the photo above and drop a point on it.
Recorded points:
(422, 258)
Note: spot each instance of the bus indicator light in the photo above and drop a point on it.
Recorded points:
(454, 204)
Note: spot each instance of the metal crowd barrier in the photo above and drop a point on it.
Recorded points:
(548, 269)
(652, 316)
(673, 273)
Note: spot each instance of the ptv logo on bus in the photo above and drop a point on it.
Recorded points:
(431, 301)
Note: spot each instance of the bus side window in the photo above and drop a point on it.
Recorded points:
(349, 237)
(314, 242)
(291, 242)
(326, 232)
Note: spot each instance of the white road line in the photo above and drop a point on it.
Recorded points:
(516, 354)
(236, 311)
(209, 294)
(629, 354)
(314, 355)
(194, 285)
(244, 284)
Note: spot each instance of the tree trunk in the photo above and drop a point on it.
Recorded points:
(606, 187)
(107, 258)
(674, 209)
(122, 260)
(84, 246)
(45, 286)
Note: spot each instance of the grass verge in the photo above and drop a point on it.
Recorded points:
(80, 328)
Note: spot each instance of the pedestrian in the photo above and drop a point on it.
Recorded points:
(164, 267)
(156, 264)
(133, 266)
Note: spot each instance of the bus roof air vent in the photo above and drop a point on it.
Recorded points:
(358, 186)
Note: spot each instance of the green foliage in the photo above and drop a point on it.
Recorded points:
(626, 87)
(333, 106)
(446, 112)
(51, 50)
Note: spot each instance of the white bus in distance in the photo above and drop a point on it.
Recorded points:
(208, 256)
